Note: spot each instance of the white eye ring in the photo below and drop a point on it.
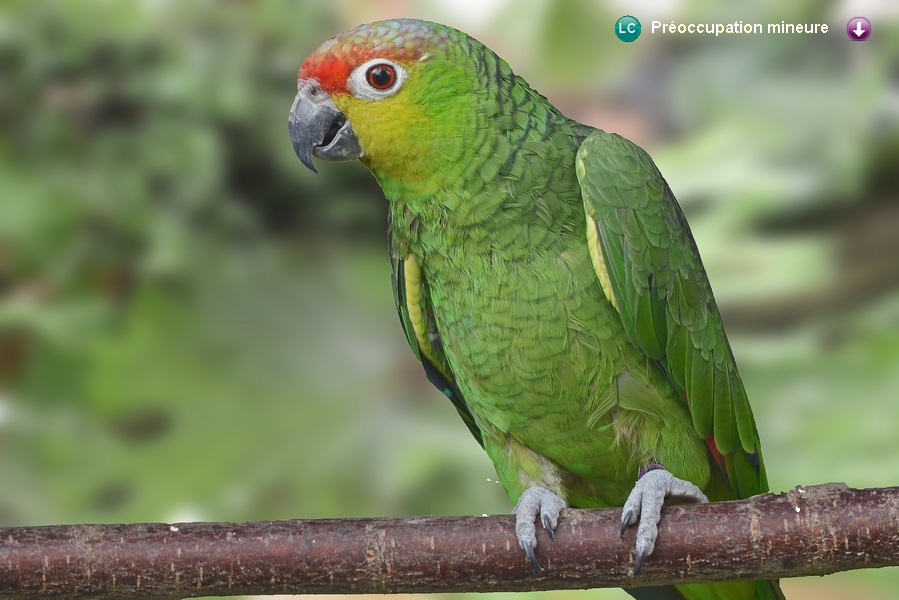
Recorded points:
(362, 88)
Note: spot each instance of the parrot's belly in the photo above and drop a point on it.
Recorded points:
(541, 358)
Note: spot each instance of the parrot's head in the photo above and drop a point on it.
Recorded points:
(400, 95)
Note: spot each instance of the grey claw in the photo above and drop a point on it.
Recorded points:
(638, 561)
(626, 522)
(532, 558)
(548, 526)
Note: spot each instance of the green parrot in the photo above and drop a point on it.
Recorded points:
(547, 280)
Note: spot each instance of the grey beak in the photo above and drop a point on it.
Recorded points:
(318, 129)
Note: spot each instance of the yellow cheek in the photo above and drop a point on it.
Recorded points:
(386, 128)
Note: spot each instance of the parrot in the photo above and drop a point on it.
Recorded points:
(547, 280)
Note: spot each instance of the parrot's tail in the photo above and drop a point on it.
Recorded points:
(737, 590)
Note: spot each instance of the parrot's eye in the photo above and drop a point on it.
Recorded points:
(381, 77)
(376, 79)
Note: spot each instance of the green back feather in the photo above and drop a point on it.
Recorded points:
(668, 311)
(664, 298)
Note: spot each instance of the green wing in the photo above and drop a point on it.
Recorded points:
(650, 269)
(422, 334)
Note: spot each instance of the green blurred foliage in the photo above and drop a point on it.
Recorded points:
(192, 326)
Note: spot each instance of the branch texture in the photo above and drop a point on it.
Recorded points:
(807, 531)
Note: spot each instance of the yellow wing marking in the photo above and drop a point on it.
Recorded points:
(599, 263)
(414, 291)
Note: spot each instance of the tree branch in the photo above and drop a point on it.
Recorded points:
(811, 531)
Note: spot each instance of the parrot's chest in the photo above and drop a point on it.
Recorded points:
(529, 335)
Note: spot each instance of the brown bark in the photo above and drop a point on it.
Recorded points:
(807, 531)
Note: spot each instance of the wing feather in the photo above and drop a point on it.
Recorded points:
(413, 305)
(663, 296)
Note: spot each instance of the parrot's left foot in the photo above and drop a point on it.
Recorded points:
(645, 504)
(534, 502)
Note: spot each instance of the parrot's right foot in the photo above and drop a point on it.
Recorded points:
(534, 502)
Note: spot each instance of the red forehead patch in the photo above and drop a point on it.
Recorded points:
(400, 40)
(330, 71)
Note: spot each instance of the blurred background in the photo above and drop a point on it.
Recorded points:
(195, 327)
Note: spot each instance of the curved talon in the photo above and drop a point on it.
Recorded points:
(627, 521)
(548, 525)
(532, 558)
(638, 561)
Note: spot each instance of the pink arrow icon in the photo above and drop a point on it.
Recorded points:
(858, 28)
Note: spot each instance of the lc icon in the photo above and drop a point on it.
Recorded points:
(627, 28)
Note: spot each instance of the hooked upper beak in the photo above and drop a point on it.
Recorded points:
(318, 129)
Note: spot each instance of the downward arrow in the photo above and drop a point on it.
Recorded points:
(859, 31)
